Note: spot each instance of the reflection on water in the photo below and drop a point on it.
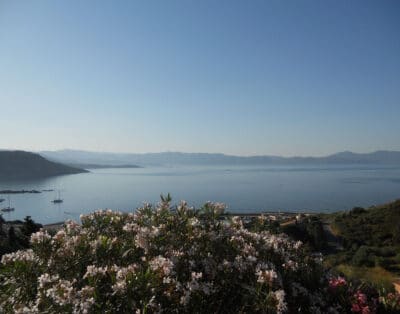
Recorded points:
(241, 188)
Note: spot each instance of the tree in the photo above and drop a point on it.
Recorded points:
(2, 221)
(12, 238)
(29, 227)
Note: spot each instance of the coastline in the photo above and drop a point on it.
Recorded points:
(54, 226)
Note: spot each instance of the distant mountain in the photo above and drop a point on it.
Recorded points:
(176, 158)
(23, 165)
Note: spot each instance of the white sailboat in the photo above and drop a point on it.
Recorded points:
(58, 199)
(9, 208)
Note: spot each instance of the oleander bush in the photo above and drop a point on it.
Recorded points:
(172, 260)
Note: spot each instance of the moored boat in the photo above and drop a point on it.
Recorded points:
(58, 199)
(8, 208)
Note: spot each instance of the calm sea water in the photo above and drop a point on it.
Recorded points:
(321, 189)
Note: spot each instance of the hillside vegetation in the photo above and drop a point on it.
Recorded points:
(22, 165)
(370, 238)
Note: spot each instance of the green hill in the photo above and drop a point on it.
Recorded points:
(23, 165)
(375, 226)
(371, 243)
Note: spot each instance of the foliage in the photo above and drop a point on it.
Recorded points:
(15, 235)
(363, 257)
(377, 226)
(371, 237)
(2, 221)
(309, 230)
(29, 227)
(263, 223)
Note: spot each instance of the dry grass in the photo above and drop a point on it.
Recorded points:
(378, 276)
(335, 230)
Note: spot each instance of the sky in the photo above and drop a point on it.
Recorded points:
(236, 77)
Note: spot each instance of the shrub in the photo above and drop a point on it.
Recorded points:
(357, 211)
(159, 260)
(363, 257)
(386, 251)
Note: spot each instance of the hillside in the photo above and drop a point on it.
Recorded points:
(370, 241)
(22, 165)
(375, 226)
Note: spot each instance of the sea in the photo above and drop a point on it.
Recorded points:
(242, 188)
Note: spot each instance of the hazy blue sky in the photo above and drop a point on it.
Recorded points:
(239, 77)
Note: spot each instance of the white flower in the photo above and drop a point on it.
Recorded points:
(72, 226)
(62, 292)
(194, 222)
(280, 297)
(21, 256)
(60, 235)
(252, 259)
(297, 245)
(39, 237)
(45, 279)
(130, 226)
(237, 221)
(92, 271)
(162, 263)
(266, 276)
(291, 265)
(210, 256)
(196, 276)
(119, 286)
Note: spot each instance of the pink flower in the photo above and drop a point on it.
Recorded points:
(337, 282)
(361, 297)
(366, 310)
(355, 308)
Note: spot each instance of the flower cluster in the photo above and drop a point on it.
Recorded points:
(163, 259)
(361, 298)
(336, 282)
(360, 303)
(391, 302)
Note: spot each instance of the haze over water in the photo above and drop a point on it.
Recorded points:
(244, 188)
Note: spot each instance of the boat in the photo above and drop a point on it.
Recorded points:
(2, 200)
(9, 208)
(58, 200)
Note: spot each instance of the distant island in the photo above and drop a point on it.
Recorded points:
(67, 156)
(20, 192)
(24, 191)
(98, 166)
(26, 165)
